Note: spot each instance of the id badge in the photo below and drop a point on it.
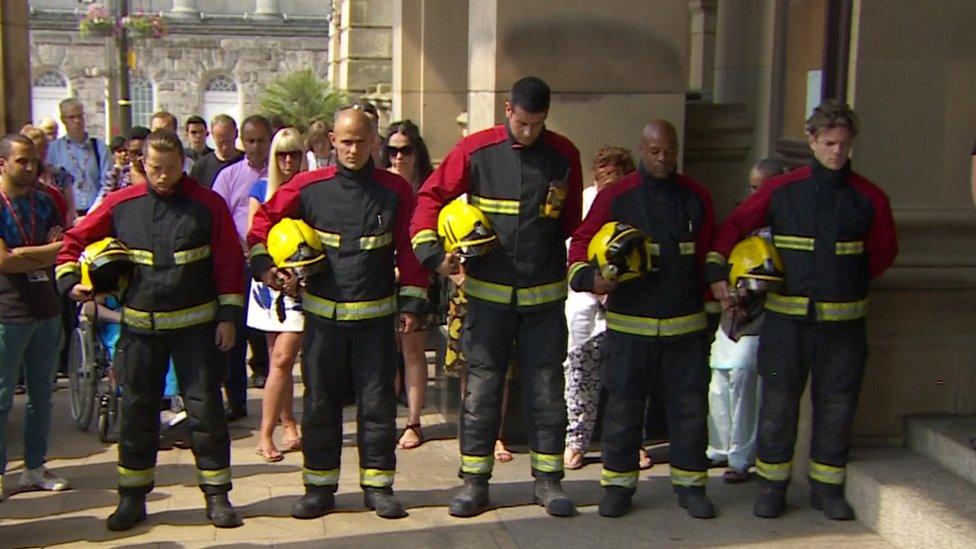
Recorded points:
(39, 275)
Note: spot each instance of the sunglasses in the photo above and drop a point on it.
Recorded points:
(392, 151)
(293, 154)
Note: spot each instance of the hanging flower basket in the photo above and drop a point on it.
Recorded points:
(97, 21)
(141, 25)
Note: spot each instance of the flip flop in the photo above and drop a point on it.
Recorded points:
(644, 460)
(501, 453)
(574, 461)
(268, 456)
(291, 445)
(415, 427)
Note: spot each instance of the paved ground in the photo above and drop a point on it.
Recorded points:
(425, 481)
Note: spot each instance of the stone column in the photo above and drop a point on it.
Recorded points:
(15, 93)
(701, 72)
(267, 9)
(360, 55)
(185, 9)
(612, 65)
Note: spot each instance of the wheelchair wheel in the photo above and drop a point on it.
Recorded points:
(108, 416)
(82, 374)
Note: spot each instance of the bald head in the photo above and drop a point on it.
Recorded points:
(659, 148)
(352, 138)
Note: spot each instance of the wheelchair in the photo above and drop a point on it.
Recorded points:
(91, 381)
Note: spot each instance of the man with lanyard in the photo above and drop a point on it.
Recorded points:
(527, 181)
(835, 233)
(362, 216)
(183, 302)
(30, 331)
(233, 184)
(86, 158)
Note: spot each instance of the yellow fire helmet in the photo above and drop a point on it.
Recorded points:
(465, 230)
(620, 252)
(293, 244)
(106, 266)
(753, 260)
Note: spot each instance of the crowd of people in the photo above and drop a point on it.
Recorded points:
(333, 245)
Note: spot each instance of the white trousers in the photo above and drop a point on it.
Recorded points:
(732, 416)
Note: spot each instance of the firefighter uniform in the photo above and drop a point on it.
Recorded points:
(362, 218)
(834, 231)
(188, 277)
(656, 324)
(516, 293)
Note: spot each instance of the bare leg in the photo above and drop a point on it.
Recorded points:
(415, 377)
(290, 343)
(284, 348)
(502, 453)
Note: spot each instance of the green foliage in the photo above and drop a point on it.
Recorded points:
(300, 98)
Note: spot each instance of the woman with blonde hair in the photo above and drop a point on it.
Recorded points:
(284, 333)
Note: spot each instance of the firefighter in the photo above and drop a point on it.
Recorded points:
(183, 301)
(656, 325)
(834, 231)
(361, 215)
(526, 180)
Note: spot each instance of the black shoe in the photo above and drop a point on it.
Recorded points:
(221, 513)
(771, 501)
(235, 412)
(549, 494)
(131, 511)
(693, 499)
(616, 501)
(471, 500)
(258, 381)
(317, 501)
(829, 498)
(383, 502)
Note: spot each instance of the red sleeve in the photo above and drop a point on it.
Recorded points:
(882, 240)
(580, 271)
(573, 204)
(286, 202)
(449, 181)
(228, 271)
(94, 227)
(413, 277)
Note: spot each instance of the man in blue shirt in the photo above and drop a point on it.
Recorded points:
(86, 158)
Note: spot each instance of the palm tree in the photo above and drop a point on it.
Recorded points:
(300, 98)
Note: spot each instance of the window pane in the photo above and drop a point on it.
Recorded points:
(141, 92)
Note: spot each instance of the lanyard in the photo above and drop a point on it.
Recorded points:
(27, 237)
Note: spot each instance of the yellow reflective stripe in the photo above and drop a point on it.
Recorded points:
(170, 320)
(776, 472)
(488, 291)
(259, 249)
(715, 257)
(544, 293)
(852, 247)
(663, 327)
(655, 249)
(575, 267)
(375, 241)
(787, 304)
(67, 268)
(413, 291)
(686, 248)
(377, 478)
(713, 307)
(142, 257)
(328, 477)
(495, 205)
(788, 242)
(230, 299)
(183, 257)
(828, 474)
(422, 237)
(216, 477)
(546, 463)
(328, 239)
(135, 478)
(841, 310)
(478, 465)
(348, 310)
(684, 477)
(613, 478)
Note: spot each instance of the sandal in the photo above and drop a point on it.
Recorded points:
(644, 459)
(415, 427)
(735, 476)
(501, 452)
(269, 456)
(572, 459)
(291, 444)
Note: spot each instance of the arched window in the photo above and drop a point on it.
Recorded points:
(220, 96)
(143, 104)
(47, 90)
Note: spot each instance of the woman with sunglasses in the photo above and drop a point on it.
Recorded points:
(284, 334)
(405, 154)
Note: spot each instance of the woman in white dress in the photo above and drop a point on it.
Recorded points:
(280, 317)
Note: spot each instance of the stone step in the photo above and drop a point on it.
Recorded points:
(910, 500)
(946, 440)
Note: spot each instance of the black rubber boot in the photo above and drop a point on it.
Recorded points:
(549, 494)
(221, 513)
(471, 500)
(693, 499)
(829, 498)
(131, 511)
(771, 501)
(616, 501)
(317, 501)
(384, 502)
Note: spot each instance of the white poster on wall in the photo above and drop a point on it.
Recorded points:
(814, 87)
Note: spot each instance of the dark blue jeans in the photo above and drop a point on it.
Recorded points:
(235, 387)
